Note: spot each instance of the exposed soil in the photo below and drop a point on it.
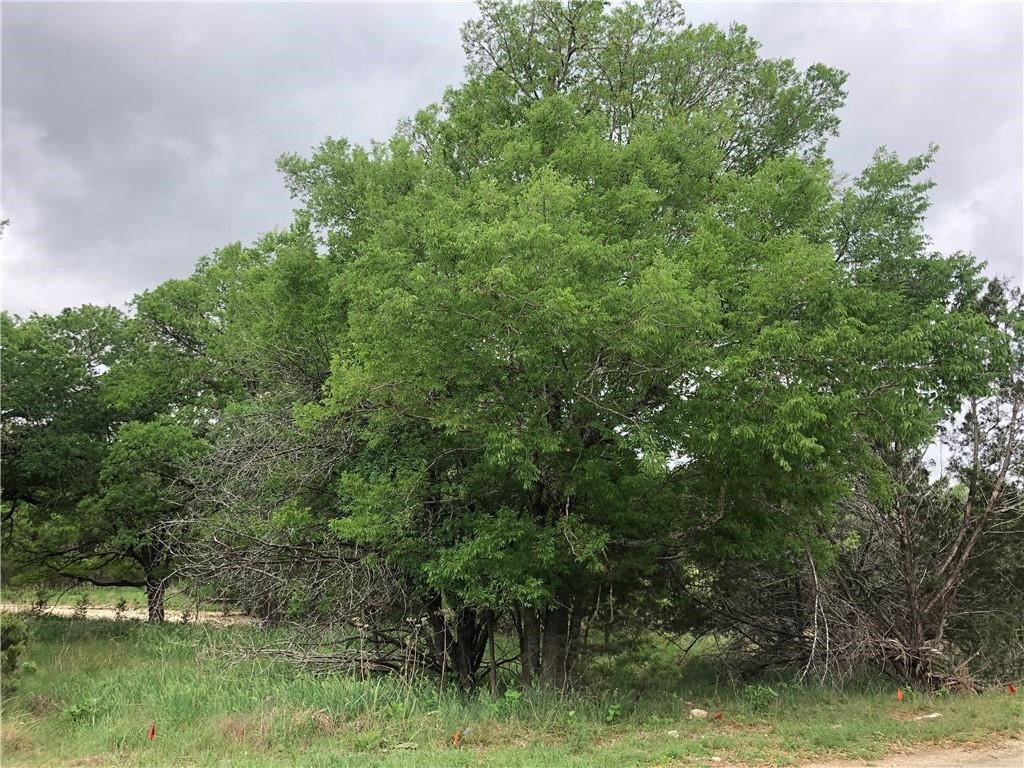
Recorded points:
(1006, 755)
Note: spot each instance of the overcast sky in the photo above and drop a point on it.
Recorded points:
(139, 137)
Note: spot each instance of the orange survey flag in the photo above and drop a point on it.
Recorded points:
(152, 731)
(899, 694)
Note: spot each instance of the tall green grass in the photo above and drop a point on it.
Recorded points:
(91, 689)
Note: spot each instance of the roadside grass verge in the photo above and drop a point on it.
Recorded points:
(91, 689)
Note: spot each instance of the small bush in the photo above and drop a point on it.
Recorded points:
(81, 607)
(760, 697)
(84, 711)
(13, 635)
(40, 703)
(40, 601)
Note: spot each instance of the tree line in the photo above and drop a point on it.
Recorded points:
(599, 342)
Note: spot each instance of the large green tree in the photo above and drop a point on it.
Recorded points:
(104, 412)
(85, 490)
(609, 296)
(56, 421)
(122, 529)
(932, 335)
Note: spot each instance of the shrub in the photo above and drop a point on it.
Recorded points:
(13, 635)
(81, 607)
(760, 697)
(40, 601)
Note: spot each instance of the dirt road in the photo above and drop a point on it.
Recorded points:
(1008, 755)
(203, 617)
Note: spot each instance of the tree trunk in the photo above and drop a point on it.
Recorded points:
(549, 642)
(468, 650)
(155, 599)
(493, 657)
(530, 647)
(572, 640)
(457, 641)
(555, 645)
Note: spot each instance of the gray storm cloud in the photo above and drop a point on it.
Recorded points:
(138, 137)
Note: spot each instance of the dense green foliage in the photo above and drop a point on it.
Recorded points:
(596, 332)
(56, 421)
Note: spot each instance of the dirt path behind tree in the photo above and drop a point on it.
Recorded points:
(66, 611)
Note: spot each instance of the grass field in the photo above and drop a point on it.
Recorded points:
(91, 689)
